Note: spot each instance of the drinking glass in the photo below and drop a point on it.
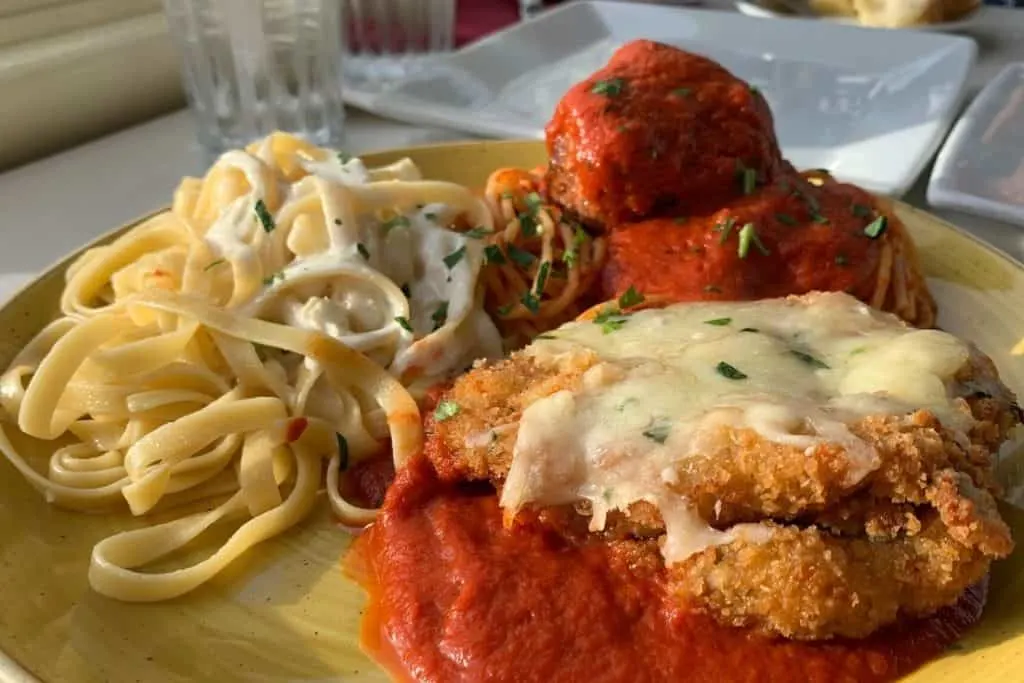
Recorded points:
(389, 39)
(251, 67)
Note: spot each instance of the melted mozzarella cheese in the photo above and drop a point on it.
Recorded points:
(796, 371)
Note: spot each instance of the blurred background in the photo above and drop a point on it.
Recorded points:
(72, 70)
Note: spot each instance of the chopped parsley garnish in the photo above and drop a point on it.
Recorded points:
(342, 451)
(528, 224)
(725, 227)
(273, 277)
(785, 219)
(430, 216)
(819, 219)
(446, 410)
(398, 222)
(748, 178)
(406, 290)
(533, 201)
(842, 260)
(658, 432)
(505, 310)
(266, 220)
(754, 90)
(440, 315)
(809, 359)
(532, 303)
(712, 289)
(630, 298)
(493, 254)
(729, 371)
(214, 264)
(682, 92)
(862, 211)
(718, 322)
(452, 259)
(876, 227)
(610, 320)
(344, 158)
(363, 251)
(748, 236)
(477, 233)
(611, 87)
(542, 277)
(579, 236)
(750, 329)
(521, 256)
(404, 323)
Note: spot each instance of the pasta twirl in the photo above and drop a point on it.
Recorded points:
(288, 309)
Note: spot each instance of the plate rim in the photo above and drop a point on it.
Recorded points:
(12, 671)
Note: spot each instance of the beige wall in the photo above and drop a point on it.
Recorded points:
(71, 70)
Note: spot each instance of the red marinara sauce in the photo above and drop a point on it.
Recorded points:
(799, 238)
(456, 597)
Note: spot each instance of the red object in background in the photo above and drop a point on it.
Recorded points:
(478, 18)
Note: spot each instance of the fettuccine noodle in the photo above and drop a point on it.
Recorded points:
(290, 308)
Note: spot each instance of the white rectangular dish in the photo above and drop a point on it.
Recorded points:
(980, 169)
(870, 106)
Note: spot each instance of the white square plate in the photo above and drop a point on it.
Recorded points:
(870, 106)
(980, 169)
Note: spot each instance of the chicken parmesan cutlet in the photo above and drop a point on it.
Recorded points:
(806, 466)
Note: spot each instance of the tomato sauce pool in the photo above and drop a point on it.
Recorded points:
(456, 597)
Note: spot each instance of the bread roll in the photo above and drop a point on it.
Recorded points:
(896, 13)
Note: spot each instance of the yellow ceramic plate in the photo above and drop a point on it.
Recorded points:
(284, 612)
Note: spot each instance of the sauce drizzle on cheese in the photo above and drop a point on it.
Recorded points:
(660, 387)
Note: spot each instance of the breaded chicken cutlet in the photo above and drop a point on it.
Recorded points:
(805, 466)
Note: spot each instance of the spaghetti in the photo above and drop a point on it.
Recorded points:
(899, 287)
(541, 266)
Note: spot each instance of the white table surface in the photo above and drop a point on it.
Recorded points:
(54, 205)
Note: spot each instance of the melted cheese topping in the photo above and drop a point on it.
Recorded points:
(797, 371)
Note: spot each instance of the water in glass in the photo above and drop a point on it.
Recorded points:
(389, 39)
(254, 66)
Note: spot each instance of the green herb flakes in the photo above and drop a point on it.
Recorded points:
(493, 254)
(452, 259)
(658, 432)
(862, 211)
(809, 359)
(748, 237)
(542, 277)
(363, 251)
(718, 322)
(400, 222)
(446, 410)
(611, 87)
(342, 444)
(404, 323)
(729, 371)
(876, 228)
(440, 315)
(263, 214)
(477, 233)
(630, 298)
(521, 256)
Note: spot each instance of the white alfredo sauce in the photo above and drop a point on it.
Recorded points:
(797, 371)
